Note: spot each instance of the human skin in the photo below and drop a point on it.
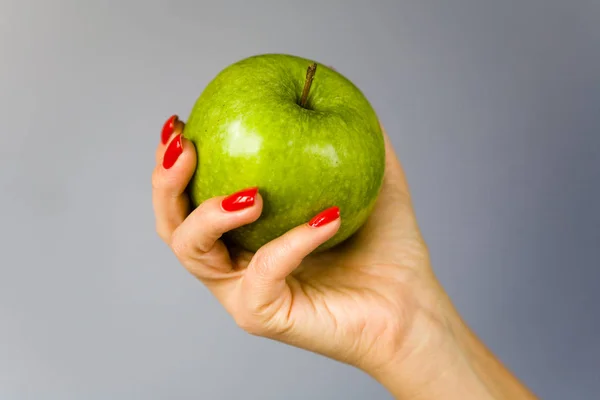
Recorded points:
(373, 302)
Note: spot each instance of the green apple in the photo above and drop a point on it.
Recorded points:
(308, 139)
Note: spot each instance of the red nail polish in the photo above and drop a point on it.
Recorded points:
(173, 152)
(168, 128)
(325, 217)
(240, 200)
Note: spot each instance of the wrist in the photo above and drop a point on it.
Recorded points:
(434, 364)
(440, 371)
(443, 358)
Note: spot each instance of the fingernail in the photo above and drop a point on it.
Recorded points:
(325, 217)
(173, 152)
(168, 128)
(240, 200)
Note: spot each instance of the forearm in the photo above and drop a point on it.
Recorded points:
(453, 364)
(499, 382)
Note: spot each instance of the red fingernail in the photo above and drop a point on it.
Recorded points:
(168, 129)
(173, 152)
(325, 217)
(240, 200)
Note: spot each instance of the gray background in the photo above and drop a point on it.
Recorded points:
(494, 108)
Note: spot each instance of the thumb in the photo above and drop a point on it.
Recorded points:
(264, 290)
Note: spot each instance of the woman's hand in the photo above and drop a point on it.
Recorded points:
(372, 302)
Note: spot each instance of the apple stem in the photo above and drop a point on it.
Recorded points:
(310, 74)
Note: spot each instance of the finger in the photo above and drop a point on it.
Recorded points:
(264, 281)
(196, 241)
(394, 173)
(169, 180)
(172, 127)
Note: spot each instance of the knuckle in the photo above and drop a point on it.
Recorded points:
(284, 247)
(180, 245)
(264, 321)
(165, 183)
(250, 324)
(156, 179)
(188, 248)
(204, 229)
(162, 234)
(262, 262)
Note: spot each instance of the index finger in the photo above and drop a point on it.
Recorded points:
(176, 163)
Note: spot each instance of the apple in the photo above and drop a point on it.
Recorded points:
(301, 132)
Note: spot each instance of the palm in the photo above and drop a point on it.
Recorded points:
(354, 295)
(354, 292)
